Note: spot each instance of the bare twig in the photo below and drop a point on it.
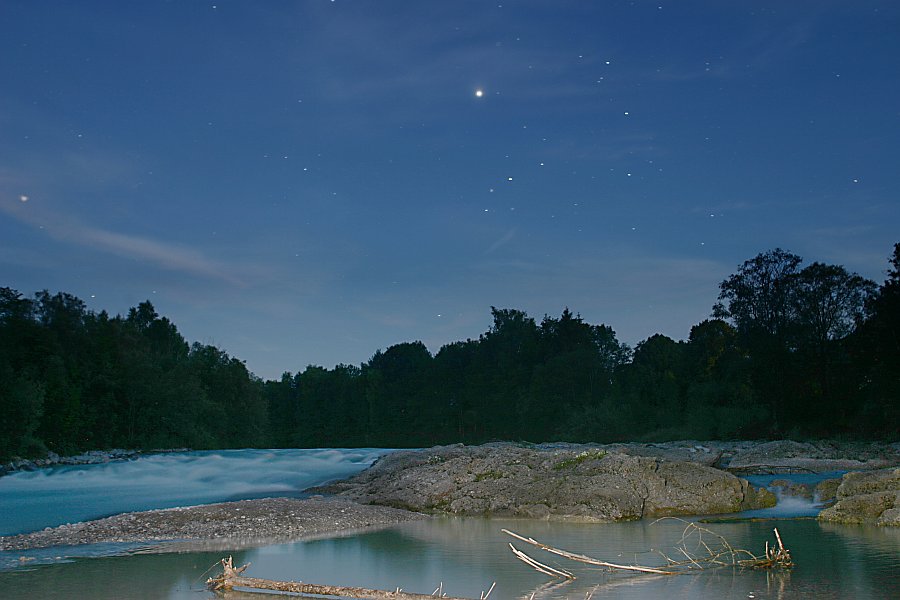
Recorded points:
(484, 596)
(715, 554)
(587, 559)
(539, 566)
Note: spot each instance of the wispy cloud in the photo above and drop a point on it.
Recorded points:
(502, 241)
(166, 255)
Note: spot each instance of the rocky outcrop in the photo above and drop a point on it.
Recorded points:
(786, 456)
(559, 482)
(769, 457)
(872, 497)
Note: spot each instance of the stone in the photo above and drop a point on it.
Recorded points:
(883, 480)
(871, 497)
(826, 490)
(570, 482)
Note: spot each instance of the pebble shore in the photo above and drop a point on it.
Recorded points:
(239, 523)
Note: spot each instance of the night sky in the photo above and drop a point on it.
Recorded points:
(307, 182)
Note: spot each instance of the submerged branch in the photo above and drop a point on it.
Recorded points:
(232, 577)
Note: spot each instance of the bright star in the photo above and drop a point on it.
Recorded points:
(479, 93)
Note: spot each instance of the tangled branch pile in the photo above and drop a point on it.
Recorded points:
(698, 549)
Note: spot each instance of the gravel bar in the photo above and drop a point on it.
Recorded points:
(265, 520)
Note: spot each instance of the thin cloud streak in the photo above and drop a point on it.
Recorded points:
(502, 241)
(174, 257)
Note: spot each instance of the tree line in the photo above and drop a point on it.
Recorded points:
(73, 380)
(789, 350)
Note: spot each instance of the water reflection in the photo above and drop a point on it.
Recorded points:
(467, 555)
(140, 577)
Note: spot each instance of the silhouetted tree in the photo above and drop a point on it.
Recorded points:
(396, 393)
(760, 296)
(792, 322)
(830, 303)
(877, 358)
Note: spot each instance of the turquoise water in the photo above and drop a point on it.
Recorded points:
(48, 497)
(467, 556)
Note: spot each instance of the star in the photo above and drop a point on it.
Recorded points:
(479, 93)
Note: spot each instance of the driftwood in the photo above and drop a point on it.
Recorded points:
(775, 557)
(576, 557)
(232, 577)
(715, 554)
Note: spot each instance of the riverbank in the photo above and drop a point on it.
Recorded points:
(565, 482)
(92, 457)
(243, 523)
(749, 457)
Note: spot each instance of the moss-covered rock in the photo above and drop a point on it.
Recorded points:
(871, 497)
(758, 498)
(826, 490)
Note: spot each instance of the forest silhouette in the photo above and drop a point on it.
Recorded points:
(789, 351)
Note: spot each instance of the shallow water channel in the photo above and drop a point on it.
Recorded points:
(468, 555)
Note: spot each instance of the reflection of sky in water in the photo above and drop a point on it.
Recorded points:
(467, 555)
(33, 500)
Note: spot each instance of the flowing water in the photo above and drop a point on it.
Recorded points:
(468, 555)
(69, 494)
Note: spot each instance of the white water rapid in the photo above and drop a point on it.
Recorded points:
(33, 500)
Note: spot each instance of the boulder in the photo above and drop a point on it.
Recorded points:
(871, 497)
(826, 490)
(560, 482)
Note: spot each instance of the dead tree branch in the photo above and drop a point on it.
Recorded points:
(715, 554)
(586, 559)
(232, 577)
(540, 567)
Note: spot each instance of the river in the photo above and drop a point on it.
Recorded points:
(465, 555)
